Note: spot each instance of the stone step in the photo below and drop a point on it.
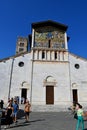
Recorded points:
(48, 108)
(45, 108)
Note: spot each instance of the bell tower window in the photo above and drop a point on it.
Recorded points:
(21, 49)
(21, 44)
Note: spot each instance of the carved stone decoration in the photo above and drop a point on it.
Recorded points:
(49, 81)
(74, 85)
(25, 85)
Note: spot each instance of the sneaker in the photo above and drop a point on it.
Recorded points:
(8, 126)
(5, 127)
(27, 121)
(15, 121)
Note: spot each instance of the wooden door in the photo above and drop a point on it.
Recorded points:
(49, 94)
(75, 96)
(24, 93)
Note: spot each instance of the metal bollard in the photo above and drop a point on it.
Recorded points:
(0, 117)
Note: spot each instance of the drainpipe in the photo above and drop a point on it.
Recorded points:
(32, 65)
(70, 79)
(31, 79)
(10, 78)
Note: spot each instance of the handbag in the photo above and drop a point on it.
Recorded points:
(75, 116)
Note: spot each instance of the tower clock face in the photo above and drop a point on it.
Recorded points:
(46, 34)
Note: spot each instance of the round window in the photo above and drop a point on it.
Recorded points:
(21, 64)
(77, 66)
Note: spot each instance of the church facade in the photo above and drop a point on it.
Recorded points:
(48, 74)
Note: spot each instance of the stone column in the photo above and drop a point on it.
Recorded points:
(40, 55)
(61, 56)
(32, 37)
(66, 46)
(52, 55)
(58, 56)
(66, 56)
(48, 55)
(35, 54)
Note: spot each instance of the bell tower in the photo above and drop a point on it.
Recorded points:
(21, 45)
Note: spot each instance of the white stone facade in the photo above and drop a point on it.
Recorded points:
(79, 77)
(33, 76)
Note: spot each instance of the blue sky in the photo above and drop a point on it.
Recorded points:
(16, 17)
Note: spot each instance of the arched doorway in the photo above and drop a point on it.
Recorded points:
(74, 92)
(75, 96)
(24, 91)
(49, 83)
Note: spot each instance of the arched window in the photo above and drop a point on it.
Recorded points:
(55, 55)
(43, 54)
(22, 44)
(49, 43)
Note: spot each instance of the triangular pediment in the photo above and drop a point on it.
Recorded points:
(50, 23)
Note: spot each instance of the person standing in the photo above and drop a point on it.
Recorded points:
(8, 115)
(27, 110)
(2, 102)
(15, 110)
(80, 119)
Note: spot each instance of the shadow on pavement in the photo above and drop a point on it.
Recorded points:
(25, 123)
(20, 124)
(37, 120)
(20, 114)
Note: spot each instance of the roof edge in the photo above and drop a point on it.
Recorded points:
(14, 56)
(77, 56)
(49, 23)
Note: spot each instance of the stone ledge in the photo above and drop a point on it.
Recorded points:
(48, 108)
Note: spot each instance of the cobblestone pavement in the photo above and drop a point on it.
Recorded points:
(46, 121)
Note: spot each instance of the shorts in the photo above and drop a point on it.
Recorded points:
(14, 114)
(27, 113)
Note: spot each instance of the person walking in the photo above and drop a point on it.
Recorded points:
(27, 110)
(80, 119)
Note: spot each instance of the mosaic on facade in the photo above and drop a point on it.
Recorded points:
(48, 35)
